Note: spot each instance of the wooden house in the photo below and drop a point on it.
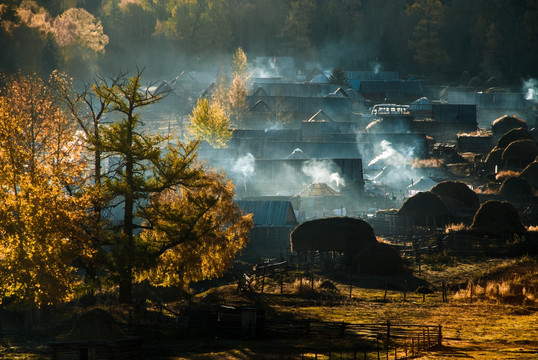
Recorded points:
(273, 222)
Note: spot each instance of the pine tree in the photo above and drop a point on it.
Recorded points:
(338, 77)
(170, 204)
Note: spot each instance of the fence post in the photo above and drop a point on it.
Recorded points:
(471, 285)
(343, 329)
(424, 344)
(388, 338)
(440, 336)
(281, 283)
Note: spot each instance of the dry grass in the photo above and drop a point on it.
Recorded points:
(427, 163)
(503, 175)
(479, 132)
(303, 286)
(454, 227)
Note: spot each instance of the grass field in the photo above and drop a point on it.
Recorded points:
(499, 321)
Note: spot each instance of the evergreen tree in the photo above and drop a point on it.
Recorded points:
(169, 202)
(338, 77)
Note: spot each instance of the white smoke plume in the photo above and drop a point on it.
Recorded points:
(391, 156)
(244, 166)
(530, 89)
(323, 171)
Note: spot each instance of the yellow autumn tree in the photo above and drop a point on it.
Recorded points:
(238, 99)
(196, 232)
(209, 122)
(41, 205)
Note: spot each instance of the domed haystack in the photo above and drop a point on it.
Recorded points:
(424, 209)
(344, 234)
(461, 201)
(506, 123)
(497, 217)
(495, 156)
(531, 174)
(379, 259)
(95, 325)
(520, 153)
(424, 203)
(459, 191)
(516, 189)
(513, 135)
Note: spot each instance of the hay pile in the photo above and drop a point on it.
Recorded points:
(342, 234)
(520, 152)
(457, 196)
(506, 123)
(517, 189)
(497, 217)
(379, 259)
(423, 204)
(95, 324)
(513, 135)
(495, 156)
(531, 174)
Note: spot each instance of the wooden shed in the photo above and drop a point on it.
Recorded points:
(273, 222)
(96, 336)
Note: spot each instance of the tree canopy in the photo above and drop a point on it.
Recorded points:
(169, 219)
(413, 36)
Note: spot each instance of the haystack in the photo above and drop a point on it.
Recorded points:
(513, 135)
(497, 217)
(506, 123)
(379, 259)
(520, 153)
(423, 204)
(459, 191)
(343, 234)
(94, 325)
(516, 189)
(531, 174)
(424, 209)
(495, 156)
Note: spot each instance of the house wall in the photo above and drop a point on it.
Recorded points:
(267, 242)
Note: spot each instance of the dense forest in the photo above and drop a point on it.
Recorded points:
(432, 38)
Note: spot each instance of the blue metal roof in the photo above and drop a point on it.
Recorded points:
(269, 213)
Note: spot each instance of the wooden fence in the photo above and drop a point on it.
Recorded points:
(375, 340)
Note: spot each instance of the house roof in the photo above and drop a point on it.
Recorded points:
(318, 190)
(269, 213)
(320, 116)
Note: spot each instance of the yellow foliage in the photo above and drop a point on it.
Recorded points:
(197, 232)
(208, 122)
(40, 217)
